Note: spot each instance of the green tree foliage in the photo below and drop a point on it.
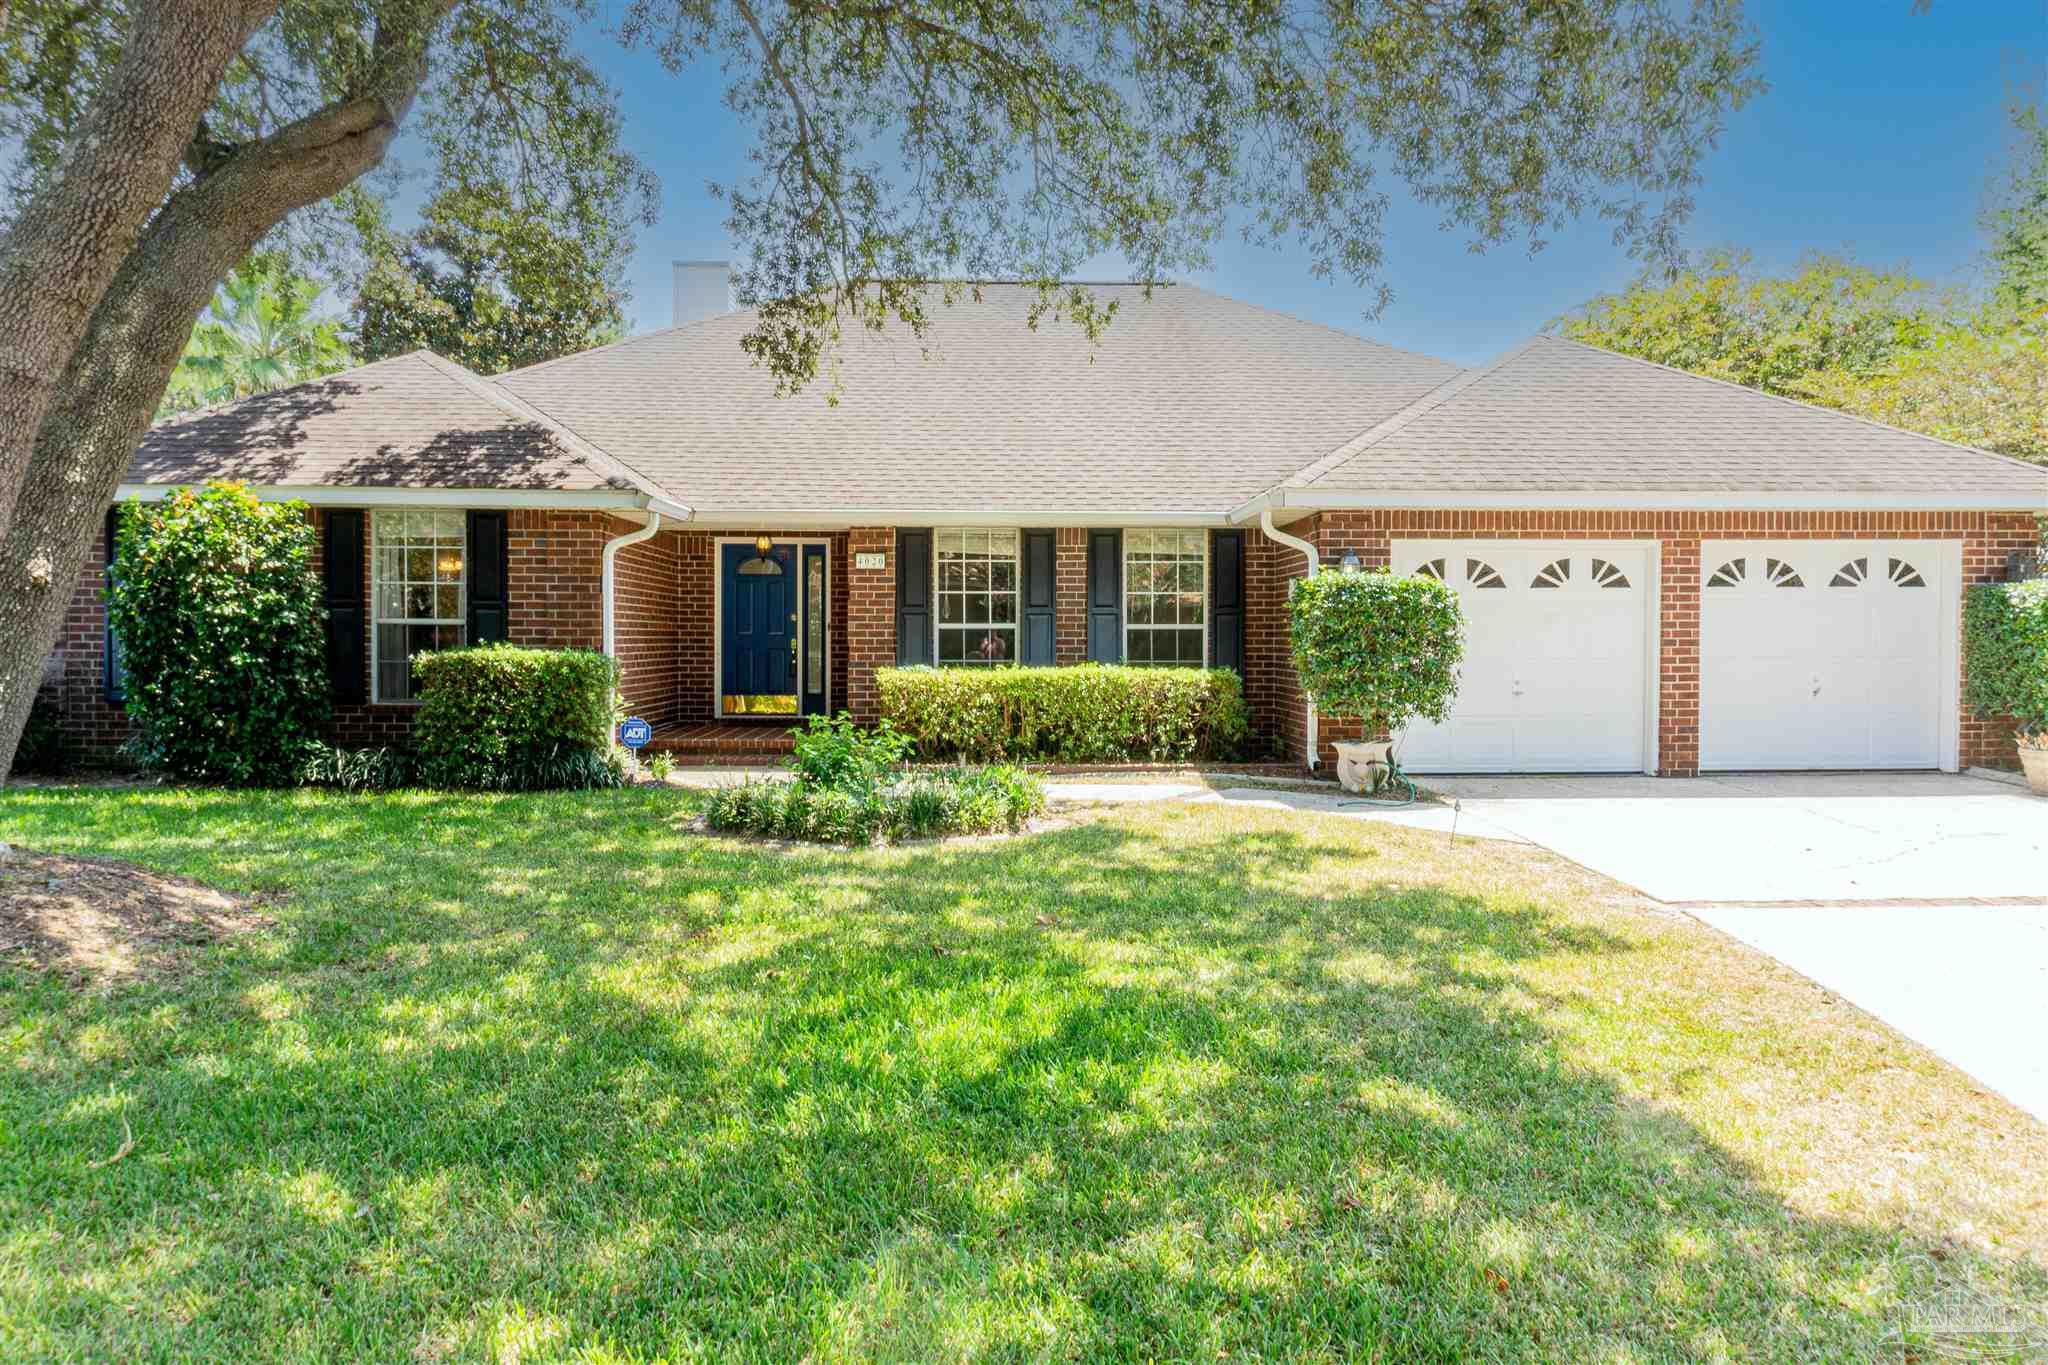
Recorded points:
(223, 633)
(490, 285)
(502, 717)
(1723, 317)
(1882, 344)
(1380, 648)
(262, 331)
(152, 146)
(2016, 218)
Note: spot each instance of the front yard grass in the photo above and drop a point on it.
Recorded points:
(550, 1077)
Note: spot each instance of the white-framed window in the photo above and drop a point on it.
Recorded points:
(1166, 582)
(977, 592)
(418, 592)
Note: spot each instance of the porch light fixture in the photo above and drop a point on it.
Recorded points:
(762, 545)
(1350, 561)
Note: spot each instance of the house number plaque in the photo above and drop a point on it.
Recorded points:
(870, 560)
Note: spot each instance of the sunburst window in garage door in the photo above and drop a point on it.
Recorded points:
(1608, 576)
(1729, 575)
(1433, 568)
(1556, 658)
(1850, 676)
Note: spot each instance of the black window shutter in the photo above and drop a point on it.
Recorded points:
(116, 675)
(1040, 556)
(1105, 597)
(342, 569)
(1226, 599)
(913, 597)
(490, 577)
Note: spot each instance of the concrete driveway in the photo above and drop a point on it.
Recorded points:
(1898, 857)
(1782, 836)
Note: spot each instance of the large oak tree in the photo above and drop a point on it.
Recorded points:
(895, 141)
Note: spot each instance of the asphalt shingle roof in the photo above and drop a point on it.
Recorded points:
(413, 421)
(1189, 403)
(1555, 415)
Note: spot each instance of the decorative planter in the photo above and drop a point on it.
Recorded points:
(1362, 768)
(2033, 758)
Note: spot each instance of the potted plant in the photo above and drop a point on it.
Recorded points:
(2005, 633)
(1381, 649)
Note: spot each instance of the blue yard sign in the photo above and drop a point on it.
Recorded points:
(634, 732)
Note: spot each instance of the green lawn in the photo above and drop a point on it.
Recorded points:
(551, 1077)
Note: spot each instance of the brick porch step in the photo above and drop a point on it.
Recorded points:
(737, 743)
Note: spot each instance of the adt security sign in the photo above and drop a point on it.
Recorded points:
(635, 732)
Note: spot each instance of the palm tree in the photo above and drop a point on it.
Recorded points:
(260, 332)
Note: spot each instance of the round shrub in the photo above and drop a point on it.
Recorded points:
(1376, 647)
(2005, 636)
(505, 718)
(223, 634)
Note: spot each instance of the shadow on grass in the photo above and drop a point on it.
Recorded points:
(537, 1073)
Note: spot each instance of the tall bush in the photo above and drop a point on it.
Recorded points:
(223, 634)
(508, 718)
(1090, 713)
(2005, 636)
(1379, 648)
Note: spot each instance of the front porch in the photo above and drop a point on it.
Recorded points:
(748, 742)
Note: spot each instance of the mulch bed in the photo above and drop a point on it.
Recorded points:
(101, 921)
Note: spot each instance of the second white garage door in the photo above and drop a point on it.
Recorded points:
(1826, 654)
(1556, 667)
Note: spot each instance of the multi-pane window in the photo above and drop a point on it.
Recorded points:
(977, 596)
(1163, 594)
(416, 592)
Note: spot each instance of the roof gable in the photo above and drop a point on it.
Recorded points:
(411, 421)
(1557, 415)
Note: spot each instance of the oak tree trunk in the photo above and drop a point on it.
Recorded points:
(71, 238)
(116, 376)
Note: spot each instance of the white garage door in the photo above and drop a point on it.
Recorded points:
(1555, 658)
(1823, 654)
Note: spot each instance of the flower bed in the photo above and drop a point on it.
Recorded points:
(852, 788)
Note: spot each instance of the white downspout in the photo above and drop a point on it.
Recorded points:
(611, 553)
(1273, 533)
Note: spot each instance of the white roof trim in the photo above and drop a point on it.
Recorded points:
(1610, 499)
(835, 518)
(325, 495)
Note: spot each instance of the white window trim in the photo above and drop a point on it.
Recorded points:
(1016, 627)
(1124, 572)
(377, 621)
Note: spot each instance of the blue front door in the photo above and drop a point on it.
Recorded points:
(760, 666)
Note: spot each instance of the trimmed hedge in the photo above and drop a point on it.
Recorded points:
(506, 718)
(1087, 713)
(2005, 635)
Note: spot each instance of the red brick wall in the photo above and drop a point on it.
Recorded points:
(1987, 537)
(1070, 595)
(870, 632)
(76, 672)
(647, 627)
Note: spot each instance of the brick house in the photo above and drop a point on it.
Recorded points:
(1662, 573)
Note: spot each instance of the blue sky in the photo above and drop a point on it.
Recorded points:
(1876, 137)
